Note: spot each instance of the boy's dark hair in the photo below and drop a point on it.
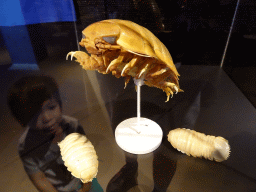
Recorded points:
(26, 96)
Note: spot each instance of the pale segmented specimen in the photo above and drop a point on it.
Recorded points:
(199, 145)
(128, 50)
(79, 157)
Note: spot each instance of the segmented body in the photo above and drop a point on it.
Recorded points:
(79, 157)
(198, 144)
(128, 50)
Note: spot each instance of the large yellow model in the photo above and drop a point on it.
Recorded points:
(129, 50)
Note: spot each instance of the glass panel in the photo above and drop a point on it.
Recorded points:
(239, 61)
(36, 37)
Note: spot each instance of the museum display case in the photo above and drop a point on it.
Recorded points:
(211, 79)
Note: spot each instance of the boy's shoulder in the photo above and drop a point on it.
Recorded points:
(69, 118)
(71, 121)
(21, 141)
(70, 124)
(67, 121)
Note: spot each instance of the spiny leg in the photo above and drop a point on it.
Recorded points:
(157, 70)
(172, 86)
(167, 87)
(160, 72)
(144, 68)
(168, 92)
(129, 66)
(172, 77)
(113, 64)
(108, 56)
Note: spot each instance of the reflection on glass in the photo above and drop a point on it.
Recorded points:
(35, 102)
(41, 33)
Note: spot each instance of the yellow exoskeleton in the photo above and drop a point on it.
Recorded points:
(129, 50)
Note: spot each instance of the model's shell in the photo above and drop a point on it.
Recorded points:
(128, 50)
(79, 157)
(199, 145)
(133, 38)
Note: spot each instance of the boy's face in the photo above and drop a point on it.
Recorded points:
(48, 117)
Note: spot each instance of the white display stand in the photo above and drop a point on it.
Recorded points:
(138, 135)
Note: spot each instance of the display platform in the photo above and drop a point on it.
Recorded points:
(138, 136)
(211, 104)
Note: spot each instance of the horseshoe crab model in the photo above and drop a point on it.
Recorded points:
(79, 157)
(199, 145)
(128, 50)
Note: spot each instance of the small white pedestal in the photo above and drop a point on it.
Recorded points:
(147, 140)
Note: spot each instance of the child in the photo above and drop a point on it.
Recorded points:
(35, 102)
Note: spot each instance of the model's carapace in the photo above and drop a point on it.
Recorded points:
(129, 50)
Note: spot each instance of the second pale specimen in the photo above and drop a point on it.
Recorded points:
(199, 145)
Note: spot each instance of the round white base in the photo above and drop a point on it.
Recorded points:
(147, 140)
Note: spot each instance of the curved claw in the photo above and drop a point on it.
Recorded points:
(169, 84)
(87, 62)
(169, 93)
(144, 70)
(170, 87)
(176, 89)
(125, 67)
(72, 53)
(173, 86)
(110, 65)
(127, 79)
(159, 72)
